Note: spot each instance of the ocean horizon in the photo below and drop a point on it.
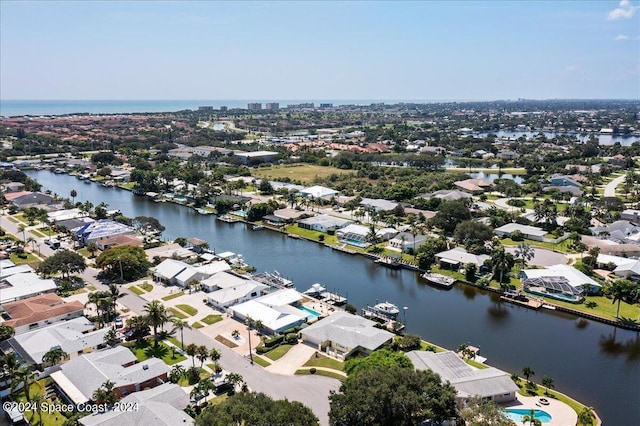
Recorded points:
(13, 108)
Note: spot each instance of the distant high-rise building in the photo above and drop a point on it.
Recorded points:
(255, 106)
(205, 108)
(326, 105)
(223, 108)
(272, 106)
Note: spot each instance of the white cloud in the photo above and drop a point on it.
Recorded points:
(624, 10)
(621, 37)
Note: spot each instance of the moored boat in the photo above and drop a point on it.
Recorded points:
(439, 280)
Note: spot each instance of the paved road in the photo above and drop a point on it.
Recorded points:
(312, 391)
(610, 189)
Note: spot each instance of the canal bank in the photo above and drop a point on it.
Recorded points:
(594, 363)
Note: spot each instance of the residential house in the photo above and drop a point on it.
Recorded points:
(378, 204)
(450, 195)
(529, 232)
(632, 215)
(561, 282)
(39, 311)
(161, 406)
(276, 311)
(565, 180)
(256, 157)
(24, 285)
(34, 199)
(490, 384)
(474, 186)
(101, 230)
(75, 336)
(323, 223)
(79, 378)
(457, 257)
(343, 334)
(319, 192)
(355, 235)
(120, 240)
(406, 241)
(13, 187)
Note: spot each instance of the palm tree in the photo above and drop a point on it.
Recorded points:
(92, 248)
(586, 416)
(93, 297)
(179, 324)
(105, 394)
(501, 262)
(32, 241)
(528, 372)
(234, 379)
(115, 293)
(157, 316)
(215, 355)
(54, 355)
(9, 366)
(202, 353)
(21, 228)
(191, 349)
(531, 418)
(24, 375)
(176, 373)
(73, 194)
(620, 290)
(547, 382)
(38, 400)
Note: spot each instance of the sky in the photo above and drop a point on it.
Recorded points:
(264, 50)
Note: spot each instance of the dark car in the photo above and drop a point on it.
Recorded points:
(136, 333)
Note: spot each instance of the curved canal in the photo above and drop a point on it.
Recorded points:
(595, 363)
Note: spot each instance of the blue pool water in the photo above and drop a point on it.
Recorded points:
(312, 314)
(517, 415)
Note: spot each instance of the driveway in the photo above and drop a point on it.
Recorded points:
(610, 188)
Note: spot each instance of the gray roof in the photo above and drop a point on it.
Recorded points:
(467, 380)
(325, 220)
(349, 331)
(379, 204)
(448, 195)
(89, 371)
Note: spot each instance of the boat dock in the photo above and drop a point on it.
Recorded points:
(527, 302)
(371, 313)
(389, 262)
(332, 298)
(228, 219)
(342, 248)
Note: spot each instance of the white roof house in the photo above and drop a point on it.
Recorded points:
(469, 381)
(406, 240)
(21, 286)
(323, 223)
(529, 232)
(342, 334)
(101, 229)
(73, 336)
(168, 269)
(161, 405)
(214, 267)
(378, 204)
(81, 376)
(459, 256)
(229, 296)
(559, 281)
(12, 270)
(318, 192)
(223, 279)
(274, 319)
(60, 215)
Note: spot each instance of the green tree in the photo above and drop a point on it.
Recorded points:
(66, 261)
(176, 373)
(139, 325)
(501, 262)
(202, 353)
(179, 324)
(191, 349)
(156, 316)
(450, 214)
(548, 383)
(531, 419)
(472, 234)
(105, 394)
(622, 291)
(426, 254)
(92, 248)
(54, 355)
(6, 332)
(524, 253)
(111, 338)
(586, 416)
(528, 372)
(478, 412)
(392, 396)
(131, 261)
(25, 376)
(73, 194)
(377, 359)
(256, 409)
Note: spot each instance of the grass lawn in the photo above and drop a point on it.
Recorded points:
(261, 361)
(211, 319)
(173, 296)
(136, 290)
(197, 325)
(305, 173)
(128, 185)
(325, 362)
(321, 373)
(476, 364)
(37, 233)
(218, 399)
(147, 350)
(46, 231)
(30, 260)
(190, 310)
(177, 313)
(13, 219)
(175, 341)
(52, 418)
(561, 247)
(185, 382)
(603, 308)
(226, 341)
(278, 352)
(311, 235)
(146, 287)
(577, 407)
(84, 252)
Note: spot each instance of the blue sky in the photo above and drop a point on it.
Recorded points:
(467, 50)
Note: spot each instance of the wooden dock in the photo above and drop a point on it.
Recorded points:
(332, 298)
(529, 303)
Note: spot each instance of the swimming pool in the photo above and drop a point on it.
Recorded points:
(312, 314)
(517, 414)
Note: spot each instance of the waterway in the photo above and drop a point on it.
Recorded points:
(602, 139)
(595, 363)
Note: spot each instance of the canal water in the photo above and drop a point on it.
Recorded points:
(597, 364)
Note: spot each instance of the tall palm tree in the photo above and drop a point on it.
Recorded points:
(528, 372)
(157, 316)
(73, 194)
(191, 349)
(179, 324)
(215, 355)
(105, 394)
(531, 418)
(548, 383)
(524, 253)
(202, 353)
(621, 291)
(54, 355)
(501, 262)
(177, 371)
(21, 228)
(234, 379)
(24, 375)
(9, 366)
(115, 293)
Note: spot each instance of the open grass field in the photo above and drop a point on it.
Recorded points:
(305, 173)
(278, 352)
(325, 362)
(603, 308)
(147, 350)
